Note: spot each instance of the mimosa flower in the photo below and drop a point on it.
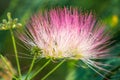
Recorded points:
(63, 33)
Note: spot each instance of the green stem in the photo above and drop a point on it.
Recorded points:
(31, 66)
(40, 69)
(8, 66)
(15, 51)
(53, 70)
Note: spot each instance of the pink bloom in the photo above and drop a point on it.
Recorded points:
(63, 33)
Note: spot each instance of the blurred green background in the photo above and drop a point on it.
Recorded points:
(106, 10)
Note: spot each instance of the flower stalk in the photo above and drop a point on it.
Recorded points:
(40, 69)
(48, 74)
(15, 51)
(31, 66)
(14, 42)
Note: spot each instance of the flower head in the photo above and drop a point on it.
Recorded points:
(63, 33)
(10, 23)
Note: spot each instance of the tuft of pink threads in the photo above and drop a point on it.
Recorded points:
(66, 33)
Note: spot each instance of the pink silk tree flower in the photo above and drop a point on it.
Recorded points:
(67, 33)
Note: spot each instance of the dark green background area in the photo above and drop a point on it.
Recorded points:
(105, 10)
